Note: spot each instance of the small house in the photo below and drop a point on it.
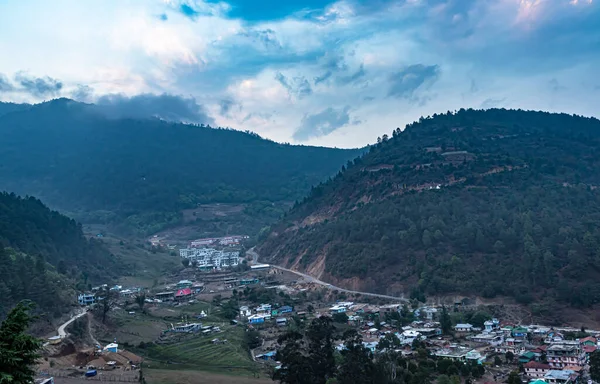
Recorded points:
(519, 332)
(285, 309)
(591, 341)
(86, 299)
(281, 321)
(182, 284)
(526, 357)
(183, 294)
(536, 370)
(112, 347)
(164, 296)
(560, 377)
(464, 328)
(337, 309)
(256, 319)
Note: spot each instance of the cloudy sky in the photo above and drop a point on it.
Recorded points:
(335, 73)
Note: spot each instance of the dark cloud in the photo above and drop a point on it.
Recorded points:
(322, 123)
(405, 83)
(297, 86)
(188, 11)
(353, 77)
(493, 103)
(267, 38)
(167, 107)
(38, 86)
(5, 85)
(82, 93)
(227, 105)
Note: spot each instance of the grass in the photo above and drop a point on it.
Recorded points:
(198, 352)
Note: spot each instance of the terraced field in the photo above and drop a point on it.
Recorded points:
(196, 352)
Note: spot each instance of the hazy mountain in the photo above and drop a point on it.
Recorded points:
(145, 171)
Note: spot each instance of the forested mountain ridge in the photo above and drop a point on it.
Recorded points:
(143, 172)
(496, 202)
(43, 253)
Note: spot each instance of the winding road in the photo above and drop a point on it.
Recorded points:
(62, 329)
(312, 279)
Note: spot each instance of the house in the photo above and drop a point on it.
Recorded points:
(475, 356)
(267, 356)
(526, 357)
(565, 353)
(370, 345)
(390, 308)
(560, 377)
(86, 298)
(337, 309)
(590, 341)
(281, 321)
(263, 309)
(183, 294)
(165, 295)
(536, 370)
(184, 284)
(588, 350)
(408, 337)
(463, 327)
(245, 311)
(249, 281)
(256, 319)
(493, 339)
(456, 353)
(519, 332)
(112, 347)
(491, 325)
(285, 309)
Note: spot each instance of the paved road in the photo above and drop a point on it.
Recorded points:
(312, 279)
(62, 329)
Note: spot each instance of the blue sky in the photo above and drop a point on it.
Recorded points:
(335, 73)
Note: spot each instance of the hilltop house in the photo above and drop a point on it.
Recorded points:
(86, 298)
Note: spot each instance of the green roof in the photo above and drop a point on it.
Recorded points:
(538, 381)
(529, 355)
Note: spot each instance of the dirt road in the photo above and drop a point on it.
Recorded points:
(62, 329)
(312, 279)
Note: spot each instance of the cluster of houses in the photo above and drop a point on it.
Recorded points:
(209, 258)
(266, 312)
(89, 298)
(222, 241)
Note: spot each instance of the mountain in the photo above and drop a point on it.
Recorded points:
(43, 253)
(484, 203)
(144, 172)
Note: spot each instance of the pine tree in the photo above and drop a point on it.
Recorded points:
(18, 350)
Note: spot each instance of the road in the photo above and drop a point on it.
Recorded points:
(312, 279)
(62, 329)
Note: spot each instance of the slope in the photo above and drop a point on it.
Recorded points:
(43, 254)
(488, 203)
(145, 171)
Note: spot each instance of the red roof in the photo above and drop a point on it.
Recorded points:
(537, 365)
(183, 292)
(589, 348)
(589, 338)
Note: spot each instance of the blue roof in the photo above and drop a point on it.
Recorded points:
(270, 354)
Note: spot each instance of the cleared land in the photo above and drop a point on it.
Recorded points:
(160, 376)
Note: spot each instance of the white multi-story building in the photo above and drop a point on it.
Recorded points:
(209, 257)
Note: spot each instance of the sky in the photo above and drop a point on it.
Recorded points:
(314, 72)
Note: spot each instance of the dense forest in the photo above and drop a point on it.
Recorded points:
(43, 254)
(497, 202)
(142, 173)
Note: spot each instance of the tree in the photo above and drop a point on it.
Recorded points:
(595, 366)
(106, 301)
(357, 366)
(497, 361)
(295, 367)
(230, 309)
(514, 378)
(340, 317)
(140, 300)
(185, 262)
(320, 349)
(445, 322)
(18, 350)
(509, 356)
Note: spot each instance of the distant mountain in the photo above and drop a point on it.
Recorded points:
(144, 172)
(43, 253)
(12, 107)
(483, 203)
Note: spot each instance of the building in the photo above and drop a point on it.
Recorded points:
(259, 266)
(337, 309)
(210, 258)
(165, 295)
(249, 281)
(183, 294)
(560, 377)
(590, 341)
(256, 319)
(187, 328)
(86, 298)
(527, 357)
(408, 336)
(519, 332)
(536, 370)
(390, 308)
(493, 339)
(491, 325)
(182, 284)
(112, 347)
(463, 328)
(456, 353)
(560, 355)
(281, 321)
(285, 309)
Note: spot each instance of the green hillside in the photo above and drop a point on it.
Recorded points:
(486, 203)
(144, 172)
(43, 254)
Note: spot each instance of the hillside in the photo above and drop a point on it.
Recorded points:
(142, 173)
(484, 203)
(43, 254)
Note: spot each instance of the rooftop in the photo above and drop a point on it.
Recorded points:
(559, 375)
